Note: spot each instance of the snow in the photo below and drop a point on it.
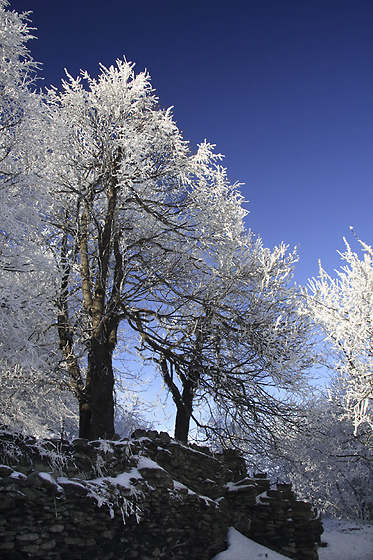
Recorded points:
(68, 482)
(233, 487)
(241, 548)
(48, 478)
(146, 463)
(346, 540)
(123, 479)
(17, 475)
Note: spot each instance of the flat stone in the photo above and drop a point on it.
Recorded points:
(110, 534)
(49, 545)
(8, 545)
(27, 537)
(31, 548)
(164, 437)
(152, 434)
(57, 528)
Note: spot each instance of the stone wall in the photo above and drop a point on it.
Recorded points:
(145, 498)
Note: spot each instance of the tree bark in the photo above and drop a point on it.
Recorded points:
(184, 412)
(97, 413)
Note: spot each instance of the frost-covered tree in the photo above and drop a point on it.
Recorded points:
(239, 351)
(136, 220)
(325, 461)
(129, 235)
(343, 307)
(17, 73)
(29, 397)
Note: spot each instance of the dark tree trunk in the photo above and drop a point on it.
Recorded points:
(84, 419)
(184, 412)
(97, 413)
(185, 406)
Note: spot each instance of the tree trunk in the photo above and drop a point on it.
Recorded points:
(97, 413)
(184, 412)
(84, 418)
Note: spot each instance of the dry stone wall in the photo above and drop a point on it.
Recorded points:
(145, 498)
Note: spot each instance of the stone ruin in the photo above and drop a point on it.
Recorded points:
(148, 497)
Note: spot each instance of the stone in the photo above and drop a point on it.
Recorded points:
(7, 545)
(164, 437)
(49, 545)
(30, 548)
(7, 503)
(152, 434)
(180, 510)
(110, 534)
(73, 487)
(27, 537)
(137, 434)
(73, 541)
(56, 528)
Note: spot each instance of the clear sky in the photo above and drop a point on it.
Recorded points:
(282, 87)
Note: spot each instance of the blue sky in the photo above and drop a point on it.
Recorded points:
(282, 87)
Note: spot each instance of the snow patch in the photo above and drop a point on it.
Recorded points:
(17, 475)
(242, 548)
(146, 463)
(347, 540)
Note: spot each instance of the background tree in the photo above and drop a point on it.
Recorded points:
(326, 461)
(344, 309)
(329, 456)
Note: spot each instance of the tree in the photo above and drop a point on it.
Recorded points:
(30, 383)
(134, 219)
(344, 309)
(240, 349)
(325, 461)
(17, 73)
(130, 235)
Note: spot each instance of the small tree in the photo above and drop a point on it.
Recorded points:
(344, 309)
(241, 348)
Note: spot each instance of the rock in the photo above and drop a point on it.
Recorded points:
(27, 537)
(56, 528)
(155, 498)
(164, 437)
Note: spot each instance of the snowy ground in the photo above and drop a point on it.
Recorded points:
(346, 540)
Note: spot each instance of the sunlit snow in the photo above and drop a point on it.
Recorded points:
(345, 540)
(241, 548)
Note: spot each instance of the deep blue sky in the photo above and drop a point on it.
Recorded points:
(284, 88)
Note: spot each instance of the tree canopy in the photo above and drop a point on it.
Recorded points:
(135, 237)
